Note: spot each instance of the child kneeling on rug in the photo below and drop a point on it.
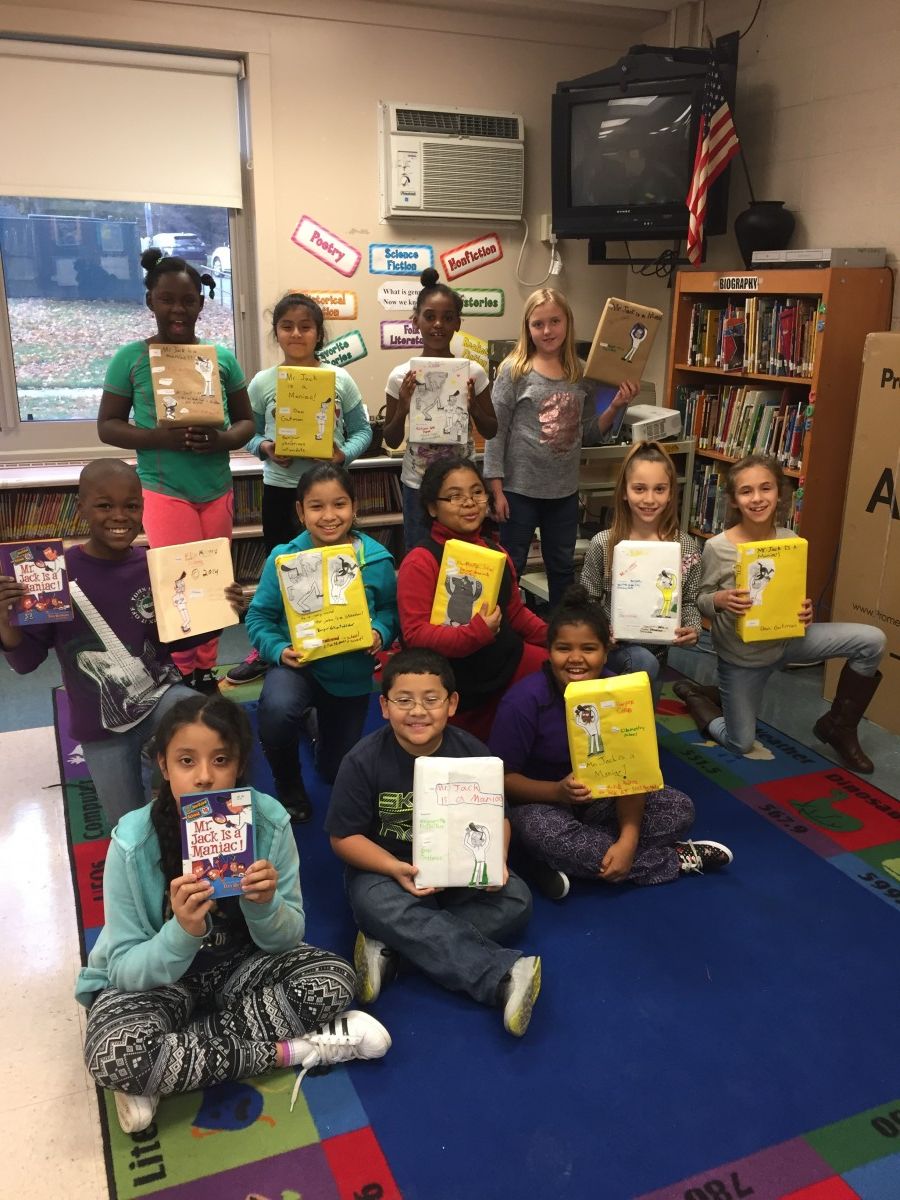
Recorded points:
(454, 935)
(185, 992)
(563, 830)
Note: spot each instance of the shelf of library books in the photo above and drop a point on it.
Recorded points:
(769, 362)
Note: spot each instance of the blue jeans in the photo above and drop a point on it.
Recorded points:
(557, 521)
(415, 527)
(120, 766)
(742, 687)
(452, 937)
(286, 695)
(626, 657)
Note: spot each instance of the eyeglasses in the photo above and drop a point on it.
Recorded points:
(458, 499)
(408, 703)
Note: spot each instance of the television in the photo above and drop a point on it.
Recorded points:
(622, 148)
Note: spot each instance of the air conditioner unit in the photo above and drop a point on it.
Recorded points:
(450, 162)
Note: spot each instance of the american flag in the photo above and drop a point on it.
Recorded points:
(717, 144)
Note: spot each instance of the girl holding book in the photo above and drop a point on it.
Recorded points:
(184, 471)
(496, 647)
(298, 326)
(544, 413)
(437, 316)
(755, 486)
(338, 688)
(562, 830)
(185, 992)
(645, 508)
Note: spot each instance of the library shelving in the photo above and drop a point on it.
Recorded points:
(39, 501)
(769, 361)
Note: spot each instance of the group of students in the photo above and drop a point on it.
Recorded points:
(184, 992)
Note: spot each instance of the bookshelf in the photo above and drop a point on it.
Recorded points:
(770, 361)
(39, 501)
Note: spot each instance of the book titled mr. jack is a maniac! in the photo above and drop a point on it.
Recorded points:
(217, 838)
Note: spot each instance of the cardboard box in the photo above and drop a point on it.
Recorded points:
(868, 579)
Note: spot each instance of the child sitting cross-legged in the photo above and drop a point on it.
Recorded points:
(455, 936)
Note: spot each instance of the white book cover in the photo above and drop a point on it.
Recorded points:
(458, 814)
(646, 591)
(439, 409)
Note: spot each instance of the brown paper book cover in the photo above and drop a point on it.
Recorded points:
(186, 385)
(623, 341)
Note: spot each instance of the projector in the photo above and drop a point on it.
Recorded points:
(649, 423)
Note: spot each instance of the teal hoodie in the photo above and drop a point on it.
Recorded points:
(342, 674)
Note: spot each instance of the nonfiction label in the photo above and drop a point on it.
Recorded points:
(480, 252)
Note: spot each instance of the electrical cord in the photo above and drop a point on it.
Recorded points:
(555, 260)
(752, 23)
(663, 266)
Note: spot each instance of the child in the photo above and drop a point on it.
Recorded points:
(645, 508)
(337, 688)
(453, 935)
(543, 414)
(185, 992)
(566, 833)
(185, 472)
(119, 677)
(437, 317)
(495, 648)
(754, 487)
(298, 326)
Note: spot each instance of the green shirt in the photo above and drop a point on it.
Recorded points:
(198, 478)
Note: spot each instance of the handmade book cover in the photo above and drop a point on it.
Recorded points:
(458, 813)
(645, 591)
(217, 838)
(304, 412)
(623, 342)
(774, 573)
(612, 735)
(40, 567)
(439, 409)
(468, 578)
(187, 389)
(325, 601)
(188, 583)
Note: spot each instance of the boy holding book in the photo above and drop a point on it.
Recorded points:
(118, 675)
(455, 936)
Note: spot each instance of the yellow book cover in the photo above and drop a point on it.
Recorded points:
(304, 412)
(774, 573)
(623, 342)
(612, 735)
(469, 577)
(325, 601)
(186, 385)
(188, 583)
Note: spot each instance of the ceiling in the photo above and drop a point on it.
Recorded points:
(633, 16)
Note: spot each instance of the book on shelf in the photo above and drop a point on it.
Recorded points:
(217, 843)
(324, 601)
(304, 412)
(187, 389)
(188, 583)
(645, 591)
(612, 735)
(774, 573)
(766, 335)
(458, 822)
(248, 556)
(40, 567)
(469, 577)
(439, 408)
(622, 342)
(248, 493)
(731, 356)
(38, 513)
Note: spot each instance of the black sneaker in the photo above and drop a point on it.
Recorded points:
(205, 681)
(695, 858)
(550, 883)
(253, 667)
(297, 803)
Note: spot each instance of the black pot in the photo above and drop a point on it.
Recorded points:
(765, 225)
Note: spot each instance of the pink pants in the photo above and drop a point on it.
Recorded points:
(169, 521)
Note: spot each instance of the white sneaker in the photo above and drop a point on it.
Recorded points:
(135, 1113)
(702, 855)
(375, 966)
(353, 1034)
(519, 992)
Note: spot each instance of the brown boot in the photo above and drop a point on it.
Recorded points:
(837, 728)
(711, 692)
(697, 702)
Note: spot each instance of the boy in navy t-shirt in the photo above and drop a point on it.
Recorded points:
(453, 935)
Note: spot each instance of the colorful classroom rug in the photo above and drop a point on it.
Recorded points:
(726, 1037)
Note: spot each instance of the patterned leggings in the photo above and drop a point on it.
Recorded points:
(575, 840)
(215, 1026)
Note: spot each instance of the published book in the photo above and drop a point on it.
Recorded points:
(187, 389)
(325, 601)
(774, 573)
(304, 412)
(458, 815)
(645, 591)
(612, 735)
(217, 838)
(623, 341)
(40, 567)
(439, 408)
(469, 577)
(188, 583)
